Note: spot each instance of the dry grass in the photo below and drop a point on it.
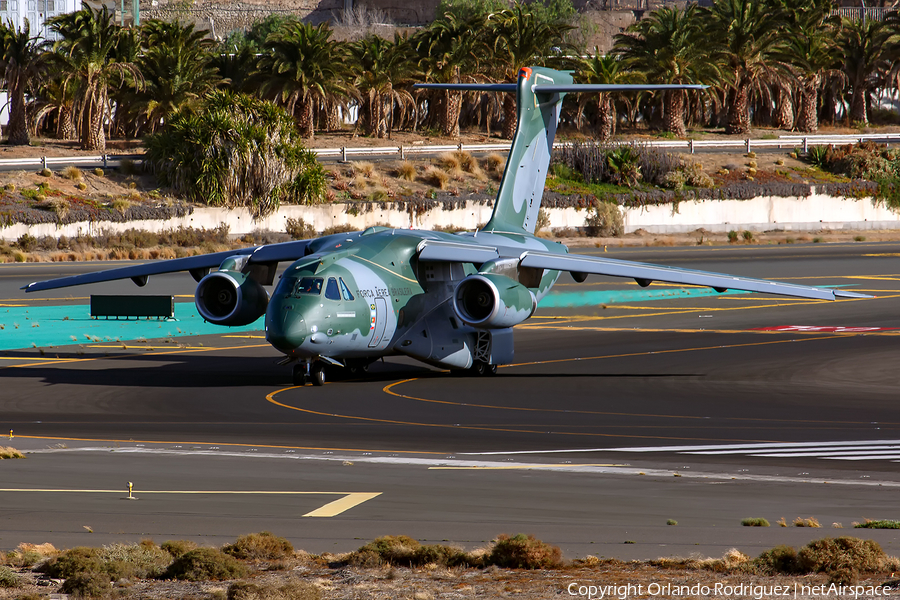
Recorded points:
(810, 522)
(449, 161)
(406, 171)
(364, 168)
(360, 182)
(437, 178)
(60, 206)
(494, 164)
(120, 205)
(731, 560)
(10, 452)
(72, 172)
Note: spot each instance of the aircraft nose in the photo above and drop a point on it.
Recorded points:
(285, 328)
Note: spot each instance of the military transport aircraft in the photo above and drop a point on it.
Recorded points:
(448, 300)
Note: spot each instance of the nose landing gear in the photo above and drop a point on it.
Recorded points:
(312, 371)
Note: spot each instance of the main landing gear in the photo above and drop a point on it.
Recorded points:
(312, 371)
(479, 368)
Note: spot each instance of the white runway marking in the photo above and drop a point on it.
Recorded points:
(846, 450)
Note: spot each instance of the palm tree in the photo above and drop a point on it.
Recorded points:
(667, 48)
(867, 48)
(22, 63)
(746, 34)
(809, 53)
(87, 50)
(521, 40)
(608, 69)
(384, 72)
(450, 51)
(811, 57)
(302, 67)
(177, 70)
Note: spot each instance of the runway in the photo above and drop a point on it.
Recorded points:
(625, 408)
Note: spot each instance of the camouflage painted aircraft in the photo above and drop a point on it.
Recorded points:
(448, 300)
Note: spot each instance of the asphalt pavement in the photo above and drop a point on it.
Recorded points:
(625, 408)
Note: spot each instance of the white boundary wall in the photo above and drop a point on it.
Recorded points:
(764, 213)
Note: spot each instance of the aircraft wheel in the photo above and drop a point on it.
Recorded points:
(299, 374)
(490, 370)
(358, 368)
(317, 374)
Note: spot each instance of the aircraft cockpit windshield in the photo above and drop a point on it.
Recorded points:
(308, 286)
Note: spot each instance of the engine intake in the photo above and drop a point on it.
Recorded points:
(490, 301)
(230, 298)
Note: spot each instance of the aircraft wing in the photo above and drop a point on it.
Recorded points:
(198, 266)
(645, 273)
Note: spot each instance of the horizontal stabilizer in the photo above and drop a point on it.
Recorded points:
(543, 88)
(468, 87)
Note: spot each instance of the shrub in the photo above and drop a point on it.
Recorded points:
(98, 172)
(402, 550)
(675, 180)
(113, 562)
(178, 548)
(523, 552)
(26, 242)
(543, 220)
(134, 560)
(45, 172)
(732, 236)
(206, 564)
(87, 584)
(8, 578)
(298, 229)
(259, 163)
(671, 522)
(261, 545)
(810, 522)
(853, 554)
(755, 522)
(127, 167)
(779, 560)
(291, 590)
(878, 525)
(747, 235)
(604, 220)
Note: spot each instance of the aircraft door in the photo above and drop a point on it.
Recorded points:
(379, 315)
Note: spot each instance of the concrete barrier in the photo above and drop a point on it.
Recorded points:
(763, 213)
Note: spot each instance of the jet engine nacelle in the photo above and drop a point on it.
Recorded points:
(230, 297)
(490, 301)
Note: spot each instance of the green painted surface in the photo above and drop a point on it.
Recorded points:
(45, 326)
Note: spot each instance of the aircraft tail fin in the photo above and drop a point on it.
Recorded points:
(539, 94)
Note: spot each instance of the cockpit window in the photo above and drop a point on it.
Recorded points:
(331, 290)
(309, 285)
(345, 291)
